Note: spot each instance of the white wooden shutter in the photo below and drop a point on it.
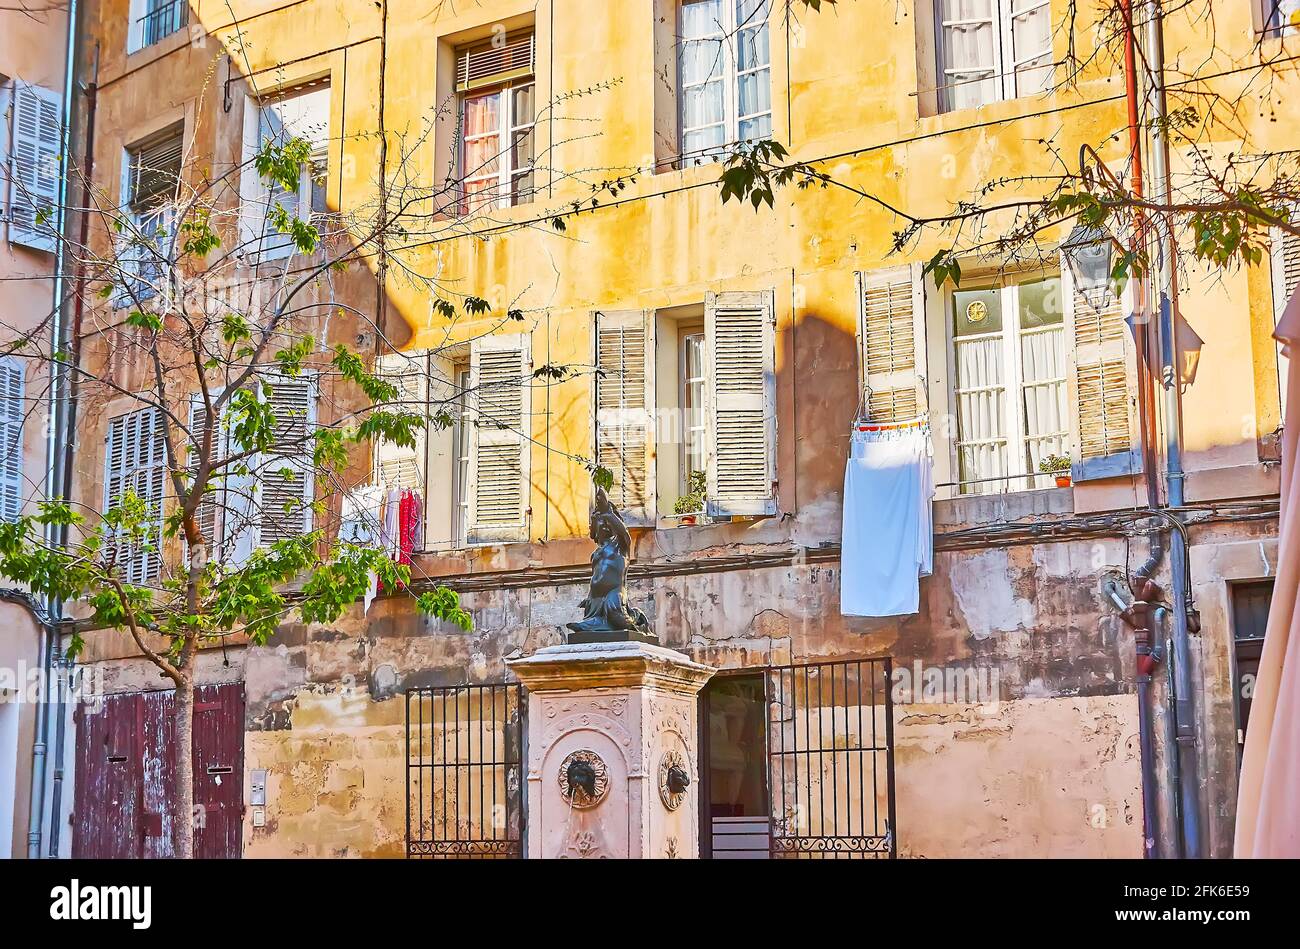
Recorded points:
(1286, 267)
(396, 466)
(624, 409)
(135, 460)
(34, 166)
(498, 493)
(285, 475)
(209, 513)
(11, 439)
(495, 61)
(1286, 281)
(741, 403)
(1102, 383)
(891, 303)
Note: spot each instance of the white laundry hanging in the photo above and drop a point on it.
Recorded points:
(888, 534)
(361, 524)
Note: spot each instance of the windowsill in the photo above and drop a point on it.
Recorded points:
(147, 54)
(1010, 109)
(674, 521)
(686, 163)
(966, 510)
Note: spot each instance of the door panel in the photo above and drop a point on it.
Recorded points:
(126, 774)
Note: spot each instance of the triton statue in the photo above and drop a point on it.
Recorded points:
(607, 617)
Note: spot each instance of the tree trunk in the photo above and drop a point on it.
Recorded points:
(184, 819)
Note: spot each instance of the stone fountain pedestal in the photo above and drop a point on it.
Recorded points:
(619, 719)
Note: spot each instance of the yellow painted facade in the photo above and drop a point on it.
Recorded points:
(848, 93)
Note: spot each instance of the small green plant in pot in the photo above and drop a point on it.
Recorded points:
(1058, 465)
(691, 504)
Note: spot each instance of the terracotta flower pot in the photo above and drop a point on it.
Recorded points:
(687, 520)
(1062, 480)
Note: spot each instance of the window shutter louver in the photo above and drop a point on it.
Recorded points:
(486, 64)
(209, 512)
(34, 166)
(11, 439)
(135, 460)
(285, 476)
(1103, 358)
(156, 171)
(889, 301)
(624, 402)
(499, 393)
(741, 403)
(395, 465)
(1285, 266)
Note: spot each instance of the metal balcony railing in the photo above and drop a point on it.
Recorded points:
(163, 21)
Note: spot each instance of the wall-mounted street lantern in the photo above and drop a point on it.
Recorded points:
(1089, 252)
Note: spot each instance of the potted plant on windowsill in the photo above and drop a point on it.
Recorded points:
(691, 504)
(1058, 465)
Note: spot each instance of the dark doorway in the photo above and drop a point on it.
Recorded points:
(465, 748)
(734, 803)
(126, 774)
(798, 761)
(1250, 604)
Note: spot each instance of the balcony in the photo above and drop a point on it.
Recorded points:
(162, 20)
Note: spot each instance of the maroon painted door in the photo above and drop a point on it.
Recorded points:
(126, 774)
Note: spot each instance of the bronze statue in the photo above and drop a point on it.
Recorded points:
(607, 615)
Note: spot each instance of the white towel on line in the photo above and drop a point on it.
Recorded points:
(887, 540)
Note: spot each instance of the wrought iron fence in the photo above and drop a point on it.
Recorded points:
(831, 761)
(162, 21)
(464, 771)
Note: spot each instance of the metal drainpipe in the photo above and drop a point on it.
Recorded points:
(69, 443)
(1169, 741)
(56, 441)
(1165, 266)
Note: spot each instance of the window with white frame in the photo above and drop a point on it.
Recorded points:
(988, 50)
(1028, 366)
(31, 166)
(695, 430)
(497, 91)
(135, 463)
(155, 20)
(12, 412)
(462, 457)
(1010, 378)
(684, 393)
(477, 397)
(724, 76)
(1280, 17)
(152, 178)
(1285, 267)
(302, 113)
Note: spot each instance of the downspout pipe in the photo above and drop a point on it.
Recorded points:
(1183, 612)
(1169, 740)
(1141, 584)
(73, 348)
(1140, 615)
(57, 437)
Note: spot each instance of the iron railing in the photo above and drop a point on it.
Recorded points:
(162, 21)
(464, 771)
(830, 744)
